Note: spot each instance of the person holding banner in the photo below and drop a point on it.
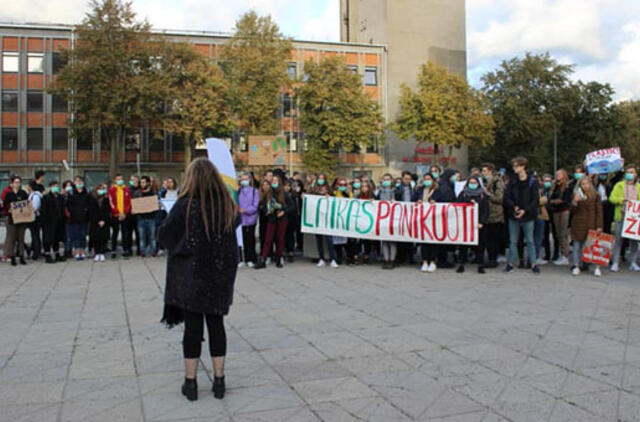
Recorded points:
(323, 190)
(200, 235)
(277, 206)
(586, 214)
(474, 193)
(146, 221)
(15, 231)
(624, 191)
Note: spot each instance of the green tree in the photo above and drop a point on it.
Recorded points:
(197, 91)
(444, 110)
(335, 112)
(255, 64)
(629, 135)
(111, 74)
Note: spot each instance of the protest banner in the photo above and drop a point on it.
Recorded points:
(631, 226)
(22, 212)
(267, 150)
(604, 161)
(219, 154)
(144, 204)
(597, 248)
(445, 223)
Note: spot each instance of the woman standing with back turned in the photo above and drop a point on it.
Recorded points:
(199, 235)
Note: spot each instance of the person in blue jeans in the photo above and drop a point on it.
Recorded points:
(146, 221)
(521, 200)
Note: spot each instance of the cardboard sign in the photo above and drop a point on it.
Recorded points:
(22, 212)
(267, 150)
(604, 161)
(631, 226)
(144, 205)
(597, 248)
(443, 223)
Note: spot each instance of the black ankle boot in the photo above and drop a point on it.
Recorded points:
(60, 258)
(260, 264)
(22, 261)
(190, 389)
(218, 387)
(48, 259)
(13, 261)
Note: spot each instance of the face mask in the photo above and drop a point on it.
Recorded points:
(398, 184)
(275, 185)
(102, 192)
(427, 183)
(55, 189)
(602, 177)
(454, 178)
(131, 183)
(69, 189)
(342, 188)
(547, 185)
(120, 182)
(298, 189)
(244, 183)
(629, 177)
(413, 184)
(435, 174)
(356, 185)
(79, 185)
(320, 182)
(473, 186)
(577, 176)
(386, 183)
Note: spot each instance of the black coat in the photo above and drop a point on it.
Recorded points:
(99, 210)
(446, 191)
(52, 211)
(78, 206)
(524, 194)
(483, 205)
(200, 272)
(12, 197)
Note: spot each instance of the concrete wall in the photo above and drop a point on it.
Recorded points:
(415, 31)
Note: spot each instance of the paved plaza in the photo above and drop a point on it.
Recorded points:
(82, 342)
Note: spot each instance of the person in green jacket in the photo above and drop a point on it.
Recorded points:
(625, 190)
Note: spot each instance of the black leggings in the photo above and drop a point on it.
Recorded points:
(192, 340)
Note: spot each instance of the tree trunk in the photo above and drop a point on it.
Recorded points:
(187, 152)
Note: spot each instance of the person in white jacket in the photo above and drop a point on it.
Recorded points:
(35, 228)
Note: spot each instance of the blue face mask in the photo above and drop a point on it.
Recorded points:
(244, 183)
(398, 184)
(547, 185)
(473, 186)
(275, 185)
(55, 189)
(320, 182)
(629, 177)
(102, 192)
(356, 185)
(435, 174)
(427, 183)
(69, 189)
(342, 188)
(386, 183)
(603, 176)
(79, 185)
(454, 178)
(131, 183)
(120, 182)
(413, 184)
(578, 176)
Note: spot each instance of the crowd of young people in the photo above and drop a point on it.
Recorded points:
(526, 220)
(71, 220)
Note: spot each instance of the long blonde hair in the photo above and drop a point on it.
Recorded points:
(203, 182)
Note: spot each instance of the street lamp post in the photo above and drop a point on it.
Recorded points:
(555, 150)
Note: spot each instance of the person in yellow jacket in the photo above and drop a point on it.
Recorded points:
(625, 190)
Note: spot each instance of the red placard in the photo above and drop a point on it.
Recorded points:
(597, 249)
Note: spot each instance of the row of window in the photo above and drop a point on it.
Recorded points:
(35, 62)
(35, 102)
(370, 73)
(35, 139)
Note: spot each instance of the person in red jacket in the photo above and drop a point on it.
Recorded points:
(120, 202)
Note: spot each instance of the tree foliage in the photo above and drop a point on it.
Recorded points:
(336, 112)
(629, 135)
(443, 110)
(255, 64)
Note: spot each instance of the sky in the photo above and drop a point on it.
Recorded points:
(601, 38)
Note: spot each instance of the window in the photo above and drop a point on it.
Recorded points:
(9, 139)
(287, 104)
(375, 144)
(4, 179)
(34, 139)
(93, 178)
(371, 76)
(59, 139)
(51, 176)
(353, 68)
(35, 63)
(292, 70)
(292, 141)
(10, 62)
(84, 140)
(57, 62)
(59, 104)
(9, 101)
(177, 143)
(156, 141)
(34, 101)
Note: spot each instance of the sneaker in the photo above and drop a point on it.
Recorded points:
(615, 267)
(501, 259)
(96, 258)
(561, 261)
(597, 272)
(77, 257)
(541, 261)
(634, 267)
(334, 264)
(268, 261)
(535, 269)
(575, 271)
(508, 268)
(424, 268)
(321, 263)
(240, 264)
(432, 267)
(250, 264)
